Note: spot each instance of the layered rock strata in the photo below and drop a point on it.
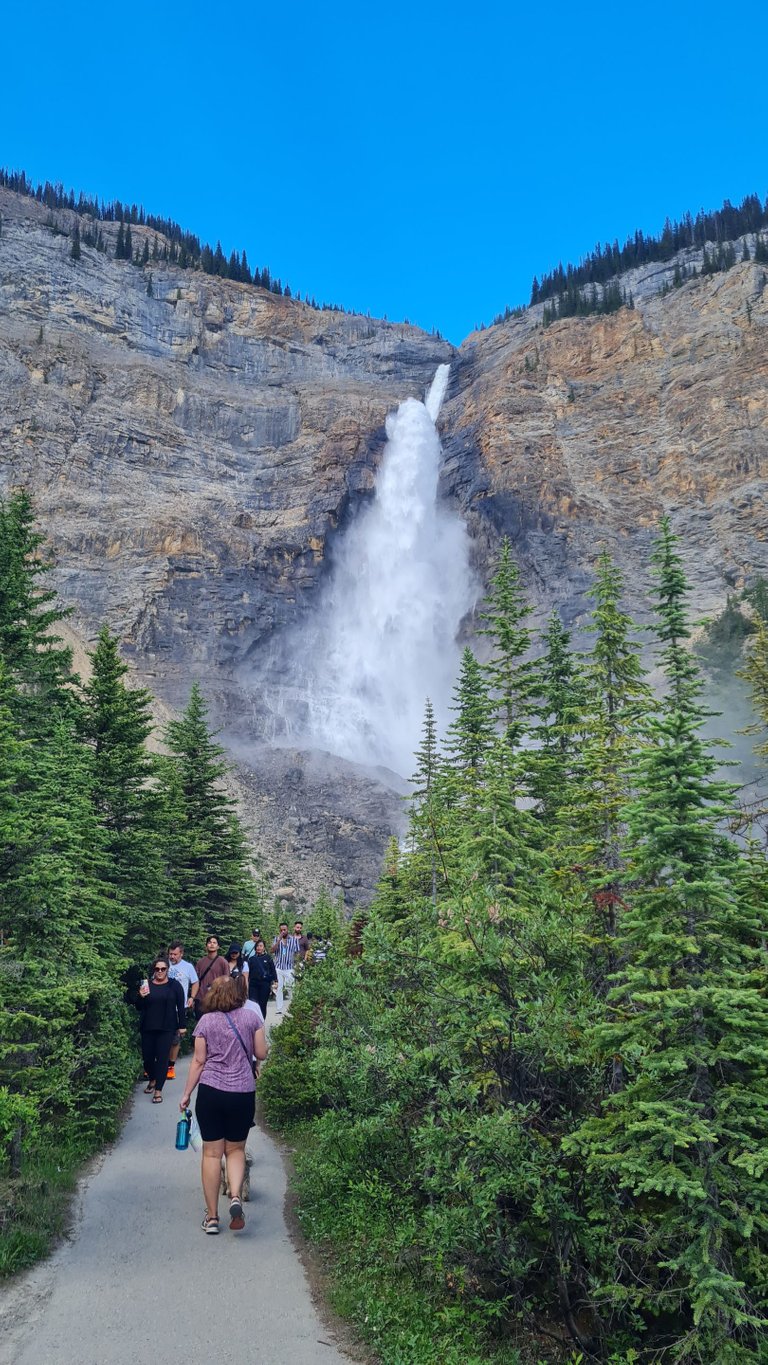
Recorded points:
(582, 434)
(194, 450)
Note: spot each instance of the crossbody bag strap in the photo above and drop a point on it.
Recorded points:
(204, 974)
(236, 1032)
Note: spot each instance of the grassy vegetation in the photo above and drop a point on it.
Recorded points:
(35, 1207)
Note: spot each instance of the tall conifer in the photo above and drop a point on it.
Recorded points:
(509, 674)
(116, 724)
(205, 847)
(683, 1137)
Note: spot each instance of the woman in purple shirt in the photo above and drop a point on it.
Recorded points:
(226, 1039)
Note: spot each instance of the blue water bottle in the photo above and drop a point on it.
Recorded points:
(182, 1131)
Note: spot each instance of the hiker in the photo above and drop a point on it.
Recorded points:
(208, 969)
(182, 971)
(302, 940)
(317, 949)
(283, 952)
(162, 1006)
(237, 963)
(286, 950)
(249, 947)
(262, 977)
(227, 1037)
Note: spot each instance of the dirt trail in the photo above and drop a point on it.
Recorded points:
(138, 1278)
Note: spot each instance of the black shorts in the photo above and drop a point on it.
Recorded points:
(224, 1113)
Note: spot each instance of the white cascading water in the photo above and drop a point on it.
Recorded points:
(384, 636)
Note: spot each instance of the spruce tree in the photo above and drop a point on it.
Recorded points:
(616, 700)
(509, 675)
(426, 814)
(683, 1137)
(203, 841)
(470, 735)
(116, 724)
(560, 692)
(37, 662)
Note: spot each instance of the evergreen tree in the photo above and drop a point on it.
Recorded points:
(36, 660)
(509, 676)
(204, 844)
(683, 1137)
(116, 724)
(617, 699)
(471, 734)
(755, 673)
(560, 690)
(425, 870)
(19, 833)
(74, 250)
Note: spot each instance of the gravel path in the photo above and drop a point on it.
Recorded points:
(138, 1279)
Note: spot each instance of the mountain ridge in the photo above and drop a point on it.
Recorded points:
(194, 454)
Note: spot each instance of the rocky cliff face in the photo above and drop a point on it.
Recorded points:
(193, 452)
(190, 453)
(582, 434)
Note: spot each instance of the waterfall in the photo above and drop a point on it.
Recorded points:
(384, 635)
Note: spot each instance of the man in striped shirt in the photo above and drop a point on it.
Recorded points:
(285, 950)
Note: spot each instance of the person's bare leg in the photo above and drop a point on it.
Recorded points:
(235, 1152)
(211, 1174)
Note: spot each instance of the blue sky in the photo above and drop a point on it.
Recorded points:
(412, 160)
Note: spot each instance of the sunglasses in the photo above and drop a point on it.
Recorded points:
(161, 969)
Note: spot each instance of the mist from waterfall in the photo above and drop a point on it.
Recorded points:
(356, 677)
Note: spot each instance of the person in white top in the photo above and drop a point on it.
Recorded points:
(182, 971)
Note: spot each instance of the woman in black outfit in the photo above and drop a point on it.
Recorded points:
(261, 975)
(237, 963)
(162, 1006)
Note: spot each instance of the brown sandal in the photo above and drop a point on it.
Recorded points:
(157, 1098)
(149, 1088)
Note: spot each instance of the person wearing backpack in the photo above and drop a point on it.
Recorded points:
(209, 969)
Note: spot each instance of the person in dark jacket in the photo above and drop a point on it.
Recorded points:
(262, 975)
(162, 1005)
